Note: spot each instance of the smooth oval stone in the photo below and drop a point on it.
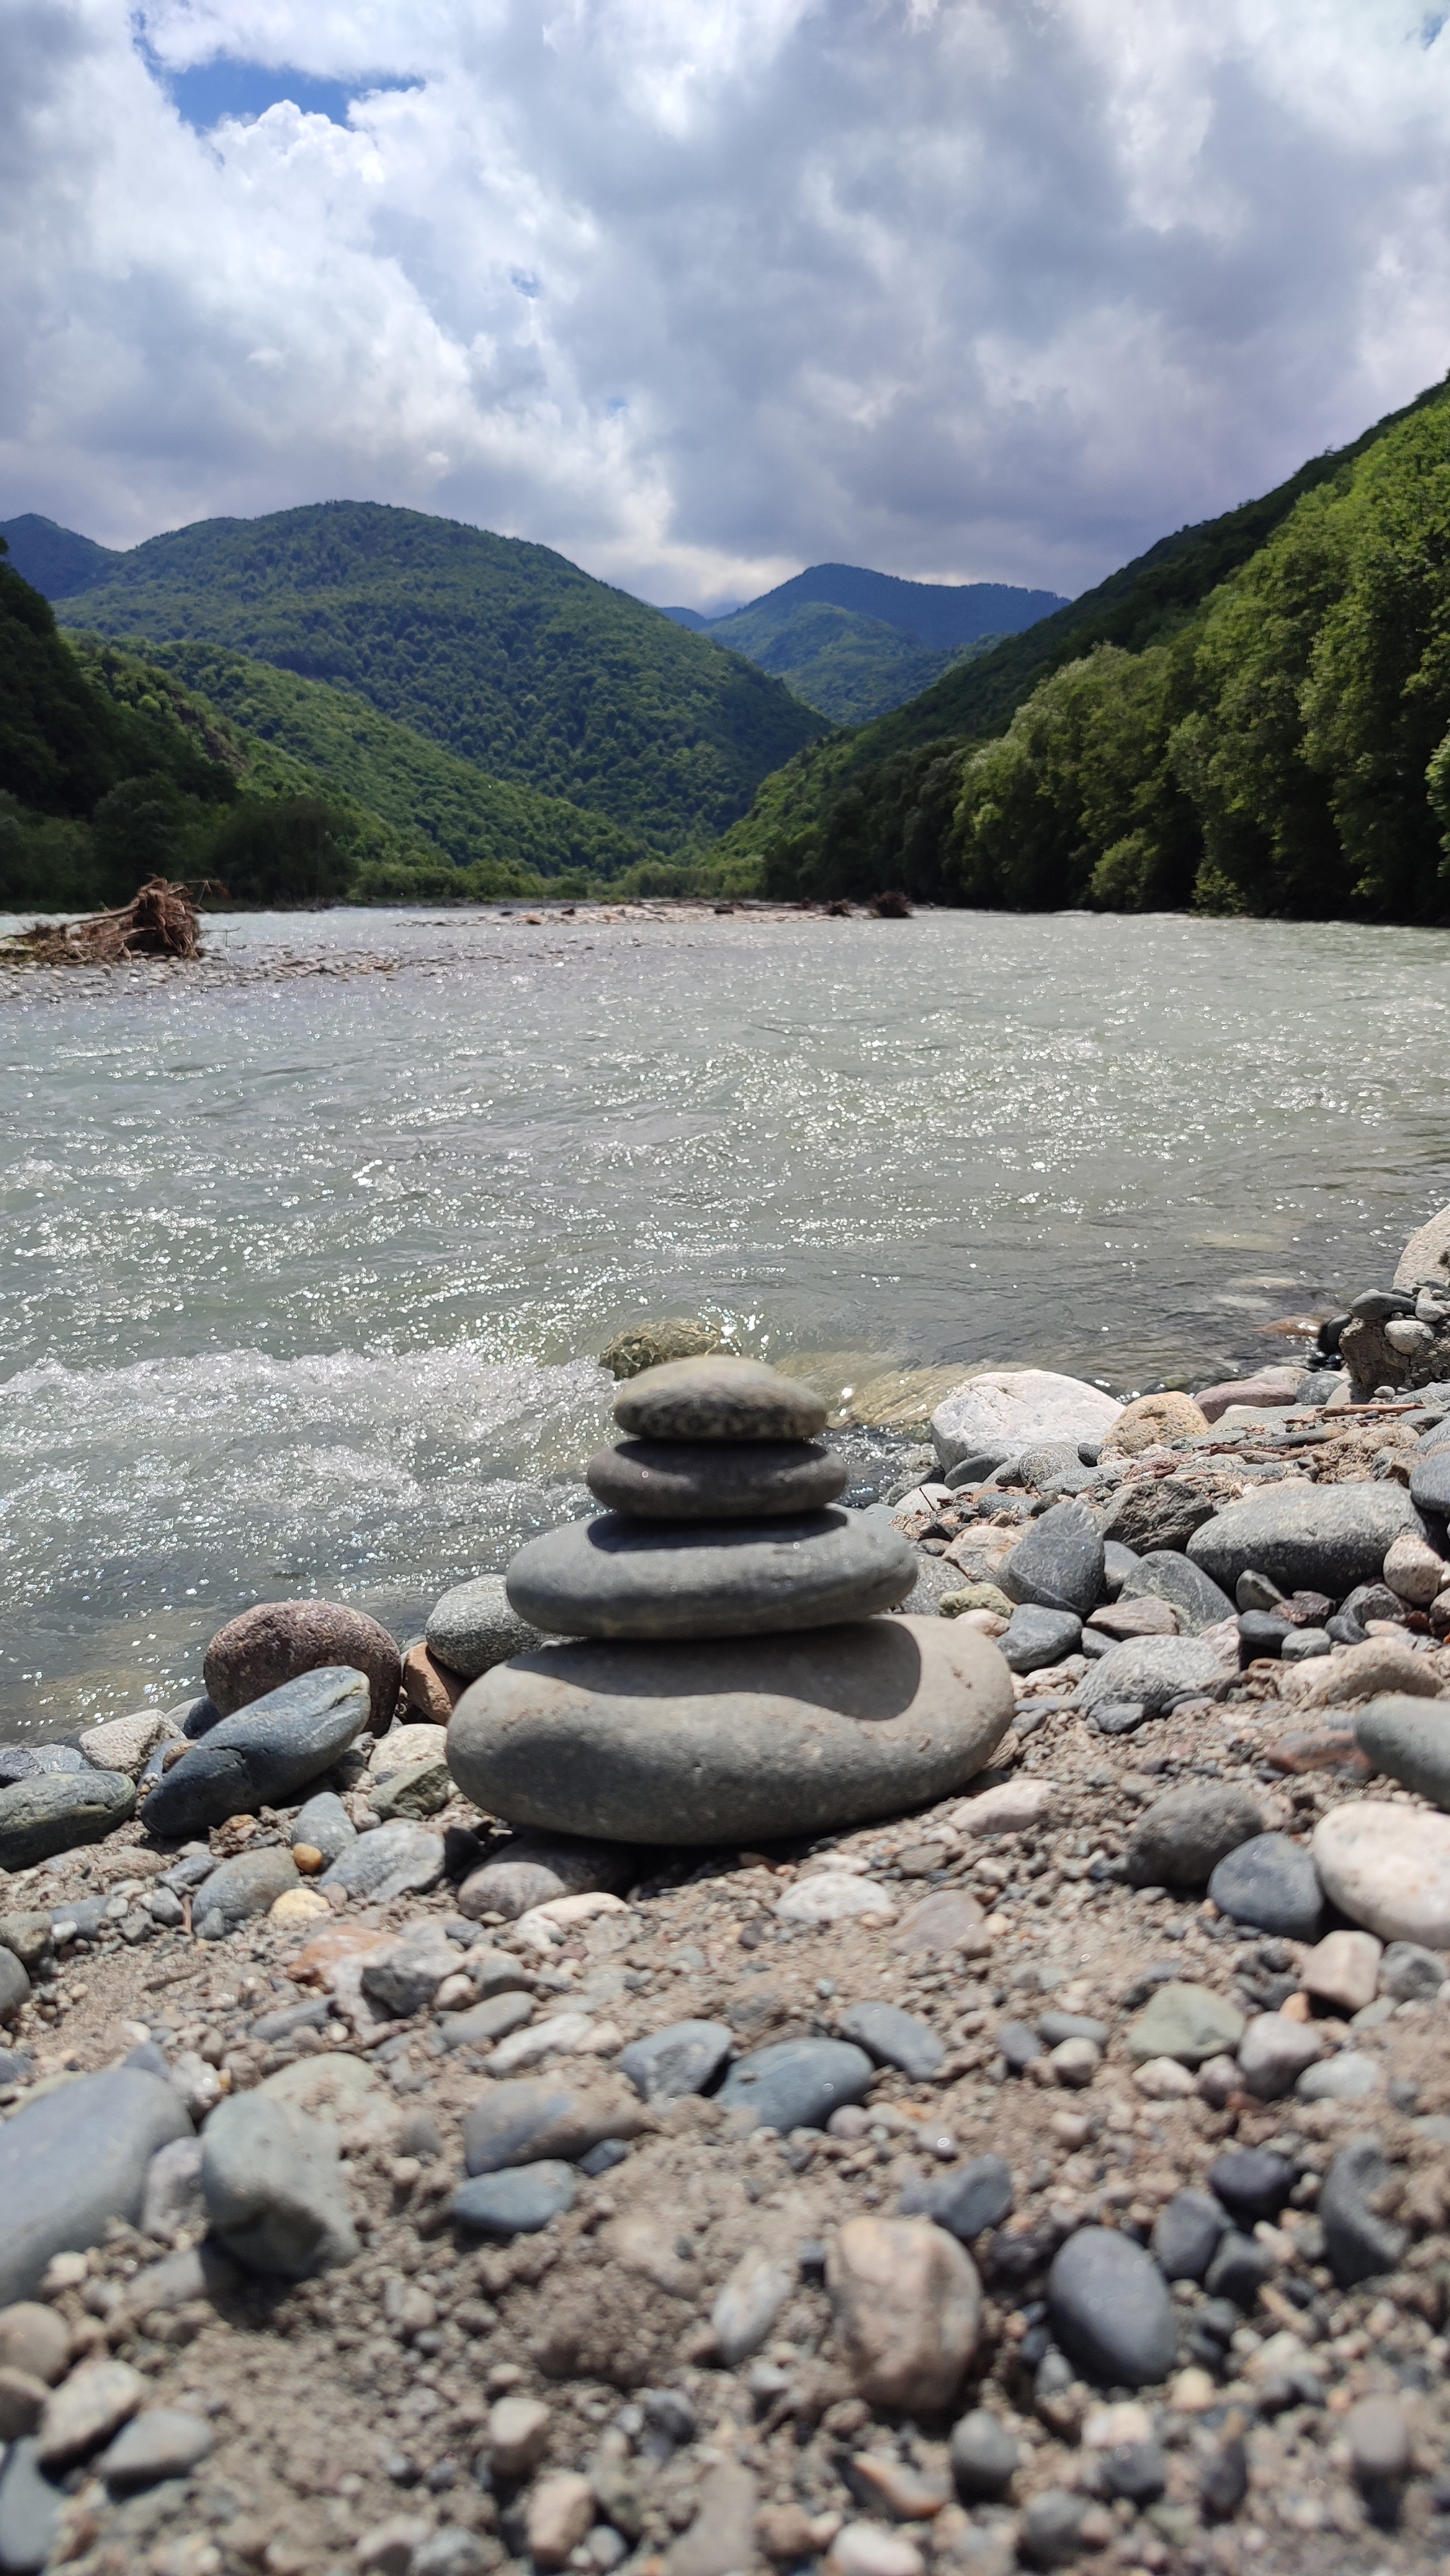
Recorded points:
(1409, 1740)
(705, 1480)
(249, 1884)
(1186, 2234)
(263, 1755)
(624, 1579)
(472, 1628)
(1388, 1868)
(718, 1399)
(798, 2083)
(516, 2203)
(1271, 1883)
(53, 1811)
(278, 1641)
(75, 2159)
(1111, 2310)
(1315, 1538)
(758, 1736)
(1059, 1564)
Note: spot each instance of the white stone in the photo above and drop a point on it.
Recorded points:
(1343, 1969)
(922, 1498)
(831, 1895)
(1388, 1867)
(575, 1909)
(1164, 2080)
(124, 1743)
(1011, 1808)
(1021, 1405)
(1352, 1673)
(748, 2305)
(1414, 1571)
(401, 1747)
(560, 2035)
(1426, 1256)
(869, 2549)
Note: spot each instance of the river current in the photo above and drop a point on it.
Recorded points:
(303, 1275)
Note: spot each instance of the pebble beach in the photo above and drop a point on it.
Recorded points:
(781, 2033)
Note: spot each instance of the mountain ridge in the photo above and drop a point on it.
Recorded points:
(502, 652)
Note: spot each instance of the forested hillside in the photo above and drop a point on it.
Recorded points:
(854, 643)
(881, 805)
(847, 666)
(502, 653)
(113, 768)
(425, 794)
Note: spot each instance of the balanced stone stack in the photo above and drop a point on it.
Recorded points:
(727, 1674)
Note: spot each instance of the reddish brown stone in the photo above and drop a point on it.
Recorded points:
(429, 1687)
(277, 1640)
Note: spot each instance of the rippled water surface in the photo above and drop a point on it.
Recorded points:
(303, 1276)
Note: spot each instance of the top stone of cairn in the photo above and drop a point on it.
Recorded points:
(718, 1398)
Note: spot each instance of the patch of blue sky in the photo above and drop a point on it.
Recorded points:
(207, 92)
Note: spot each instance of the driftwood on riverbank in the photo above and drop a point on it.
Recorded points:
(159, 921)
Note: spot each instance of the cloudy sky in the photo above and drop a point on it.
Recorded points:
(700, 291)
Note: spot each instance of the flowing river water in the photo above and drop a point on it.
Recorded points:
(304, 1272)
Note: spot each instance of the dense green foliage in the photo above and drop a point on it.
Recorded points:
(1285, 750)
(424, 793)
(503, 653)
(865, 800)
(113, 770)
(847, 666)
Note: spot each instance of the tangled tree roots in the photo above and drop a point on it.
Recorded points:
(159, 921)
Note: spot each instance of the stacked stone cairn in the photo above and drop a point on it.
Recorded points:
(727, 1675)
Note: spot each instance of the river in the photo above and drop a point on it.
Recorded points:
(304, 1274)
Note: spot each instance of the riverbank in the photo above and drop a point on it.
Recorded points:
(1126, 2247)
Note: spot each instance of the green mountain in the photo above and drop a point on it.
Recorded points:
(846, 666)
(942, 616)
(502, 653)
(113, 768)
(853, 643)
(870, 808)
(54, 560)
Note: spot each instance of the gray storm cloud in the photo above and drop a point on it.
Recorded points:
(984, 289)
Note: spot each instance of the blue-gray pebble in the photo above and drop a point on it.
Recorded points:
(977, 2196)
(894, 2038)
(1271, 1883)
(1036, 1637)
(797, 2083)
(1186, 2234)
(1111, 2310)
(518, 2203)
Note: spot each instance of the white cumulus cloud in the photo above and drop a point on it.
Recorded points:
(964, 289)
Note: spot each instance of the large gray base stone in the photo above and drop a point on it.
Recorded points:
(755, 1737)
